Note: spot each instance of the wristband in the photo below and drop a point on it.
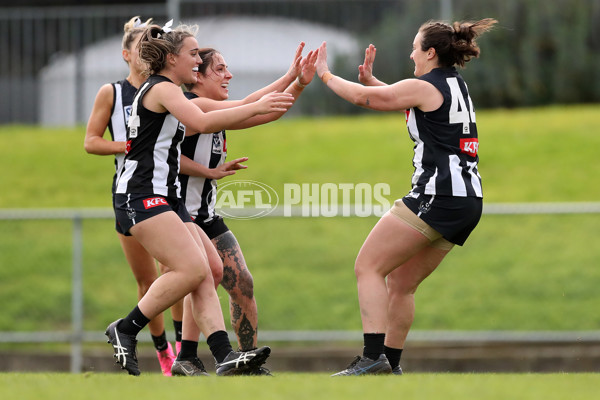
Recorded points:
(326, 77)
(300, 85)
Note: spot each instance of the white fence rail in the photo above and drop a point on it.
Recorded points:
(77, 336)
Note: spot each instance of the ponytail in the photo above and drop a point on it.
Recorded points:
(454, 45)
(156, 43)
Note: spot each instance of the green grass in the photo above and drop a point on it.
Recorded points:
(531, 155)
(535, 272)
(303, 386)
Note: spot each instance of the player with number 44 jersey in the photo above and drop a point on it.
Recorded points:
(445, 202)
(446, 143)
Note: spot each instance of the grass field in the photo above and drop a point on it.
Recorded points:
(302, 386)
(515, 273)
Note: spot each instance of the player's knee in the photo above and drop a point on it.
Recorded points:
(400, 287)
(246, 284)
(239, 286)
(359, 269)
(217, 275)
(195, 273)
(216, 269)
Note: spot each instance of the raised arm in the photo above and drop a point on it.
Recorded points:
(94, 142)
(365, 70)
(282, 83)
(400, 96)
(172, 99)
(207, 104)
(307, 70)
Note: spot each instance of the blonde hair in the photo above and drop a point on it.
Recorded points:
(131, 29)
(156, 43)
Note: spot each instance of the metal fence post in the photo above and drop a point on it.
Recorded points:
(77, 296)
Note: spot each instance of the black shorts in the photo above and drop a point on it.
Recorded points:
(214, 227)
(453, 217)
(133, 208)
(117, 225)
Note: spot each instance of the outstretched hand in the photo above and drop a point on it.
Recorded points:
(296, 67)
(321, 63)
(228, 168)
(365, 71)
(308, 67)
(275, 102)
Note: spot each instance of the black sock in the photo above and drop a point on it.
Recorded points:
(178, 325)
(189, 350)
(373, 345)
(133, 323)
(160, 341)
(219, 344)
(393, 355)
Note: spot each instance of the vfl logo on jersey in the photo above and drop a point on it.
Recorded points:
(218, 145)
(469, 146)
(127, 111)
(154, 202)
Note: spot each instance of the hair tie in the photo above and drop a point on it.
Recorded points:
(166, 28)
(137, 23)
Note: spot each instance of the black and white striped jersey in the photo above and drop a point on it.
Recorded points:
(446, 143)
(153, 149)
(123, 93)
(198, 193)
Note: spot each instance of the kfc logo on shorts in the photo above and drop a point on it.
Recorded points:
(469, 146)
(128, 147)
(154, 202)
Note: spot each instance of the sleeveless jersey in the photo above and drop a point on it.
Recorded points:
(198, 193)
(123, 93)
(446, 144)
(153, 149)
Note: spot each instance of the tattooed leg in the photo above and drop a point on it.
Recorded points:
(238, 283)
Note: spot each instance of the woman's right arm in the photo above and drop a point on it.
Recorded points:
(172, 99)
(279, 85)
(94, 142)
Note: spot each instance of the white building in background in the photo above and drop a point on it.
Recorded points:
(257, 50)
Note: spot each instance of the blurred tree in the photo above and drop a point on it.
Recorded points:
(539, 53)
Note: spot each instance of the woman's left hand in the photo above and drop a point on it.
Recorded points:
(365, 71)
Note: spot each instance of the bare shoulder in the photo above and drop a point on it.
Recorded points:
(105, 96)
(163, 96)
(423, 94)
(105, 92)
